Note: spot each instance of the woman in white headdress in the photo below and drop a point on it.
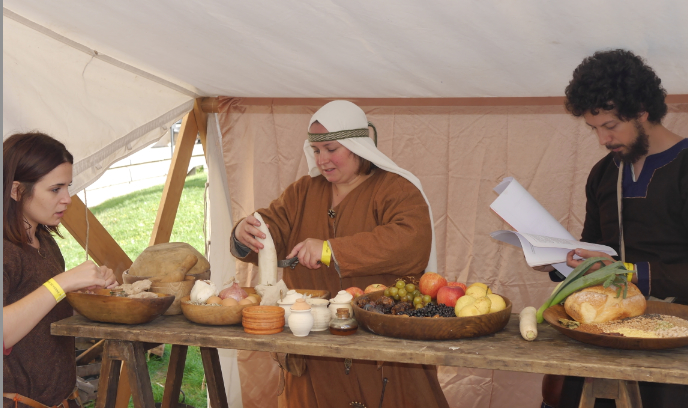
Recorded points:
(357, 219)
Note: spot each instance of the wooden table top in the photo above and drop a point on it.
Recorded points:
(550, 353)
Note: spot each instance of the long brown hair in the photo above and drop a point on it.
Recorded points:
(26, 158)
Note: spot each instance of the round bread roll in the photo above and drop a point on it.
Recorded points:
(597, 304)
(160, 259)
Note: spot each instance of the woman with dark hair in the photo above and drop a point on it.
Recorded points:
(38, 368)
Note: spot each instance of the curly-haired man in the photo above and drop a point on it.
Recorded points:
(622, 100)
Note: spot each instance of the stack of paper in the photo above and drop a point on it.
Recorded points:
(543, 240)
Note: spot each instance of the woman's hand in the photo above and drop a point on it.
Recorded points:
(88, 275)
(585, 254)
(309, 253)
(247, 231)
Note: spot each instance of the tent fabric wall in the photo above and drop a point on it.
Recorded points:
(101, 109)
(460, 154)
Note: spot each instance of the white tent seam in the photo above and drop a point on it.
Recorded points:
(95, 54)
(98, 157)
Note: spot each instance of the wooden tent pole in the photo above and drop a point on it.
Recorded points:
(211, 104)
(172, 192)
(201, 122)
(101, 246)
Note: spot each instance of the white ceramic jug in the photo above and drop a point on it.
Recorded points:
(321, 316)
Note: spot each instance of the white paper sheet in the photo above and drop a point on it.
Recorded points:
(543, 250)
(527, 216)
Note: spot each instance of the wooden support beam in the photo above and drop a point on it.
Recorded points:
(201, 122)
(175, 374)
(102, 248)
(213, 374)
(211, 104)
(172, 192)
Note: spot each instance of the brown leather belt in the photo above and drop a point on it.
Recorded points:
(17, 398)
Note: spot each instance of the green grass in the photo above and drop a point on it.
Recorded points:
(129, 219)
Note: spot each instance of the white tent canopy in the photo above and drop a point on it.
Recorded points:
(109, 77)
(115, 74)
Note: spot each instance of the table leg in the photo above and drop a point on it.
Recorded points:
(213, 375)
(625, 393)
(132, 354)
(109, 378)
(175, 374)
(123, 388)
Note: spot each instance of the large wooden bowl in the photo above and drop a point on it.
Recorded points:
(422, 328)
(212, 315)
(102, 307)
(177, 289)
(554, 313)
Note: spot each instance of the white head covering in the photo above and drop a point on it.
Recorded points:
(337, 116)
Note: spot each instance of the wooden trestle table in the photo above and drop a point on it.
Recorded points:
(550, 353)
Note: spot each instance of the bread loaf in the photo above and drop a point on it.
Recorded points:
(597, 304)
(162, 259)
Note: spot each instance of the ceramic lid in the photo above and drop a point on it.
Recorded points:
(317, 302)
(291, 297)
(300, 304)
(342, 297)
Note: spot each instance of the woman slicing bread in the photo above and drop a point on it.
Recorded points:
(38, 368)
(373, 218)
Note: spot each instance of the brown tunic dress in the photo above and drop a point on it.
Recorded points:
(40, 366)
(381, 231)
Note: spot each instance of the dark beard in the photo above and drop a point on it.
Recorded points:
(637, 149)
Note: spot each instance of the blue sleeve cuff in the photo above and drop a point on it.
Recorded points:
(643, 272)
(556, 276)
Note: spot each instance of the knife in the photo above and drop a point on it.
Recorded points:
(291, 263)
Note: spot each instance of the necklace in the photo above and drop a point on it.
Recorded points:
(42, 254)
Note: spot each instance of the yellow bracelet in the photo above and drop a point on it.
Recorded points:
(629, 267)
(55, 289)
(326, 254)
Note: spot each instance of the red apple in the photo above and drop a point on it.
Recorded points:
(354, 291)
(374, 288)
(459, 284)
(430, 283)
(448, 295)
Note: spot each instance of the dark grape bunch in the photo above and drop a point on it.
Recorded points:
(431, 310)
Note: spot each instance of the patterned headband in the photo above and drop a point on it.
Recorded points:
(343, 134)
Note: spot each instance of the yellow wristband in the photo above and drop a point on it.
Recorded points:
(55, 289)
(629, 266)
(326, 254)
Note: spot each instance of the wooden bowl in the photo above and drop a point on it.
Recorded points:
(554, 313)
(102, 307)
(126, 278)
(314, 293)
(212, 315)
(177, 289)
(263, 319)
(422, 328)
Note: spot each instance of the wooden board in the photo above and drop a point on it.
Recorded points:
(554, 313)
(550, 353)
(176, 176)
(101, 246)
